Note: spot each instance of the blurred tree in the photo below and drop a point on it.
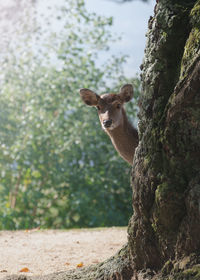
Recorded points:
(124, 1)
(58, 169)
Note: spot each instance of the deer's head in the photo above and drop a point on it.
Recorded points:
(109, 106)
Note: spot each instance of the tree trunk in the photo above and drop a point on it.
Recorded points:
(164, 232)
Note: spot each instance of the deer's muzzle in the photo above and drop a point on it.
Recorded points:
(107, 123)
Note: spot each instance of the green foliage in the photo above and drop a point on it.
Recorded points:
(58, 168)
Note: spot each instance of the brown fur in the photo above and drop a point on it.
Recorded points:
(110, 97)
(124, 139)
(110, 109)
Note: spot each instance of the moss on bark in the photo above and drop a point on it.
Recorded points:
(167, 160)
(192, 46)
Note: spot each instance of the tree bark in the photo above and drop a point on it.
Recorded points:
(165, 226)
(164, 231)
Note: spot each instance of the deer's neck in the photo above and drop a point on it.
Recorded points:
(125, 139)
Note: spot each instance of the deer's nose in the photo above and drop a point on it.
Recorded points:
(107, 123)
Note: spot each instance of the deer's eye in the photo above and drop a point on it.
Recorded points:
(118, 106)
(98, 108)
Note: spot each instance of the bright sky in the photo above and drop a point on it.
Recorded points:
(130, 21)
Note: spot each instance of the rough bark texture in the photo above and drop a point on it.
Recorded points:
(165, 227)
(164, 232)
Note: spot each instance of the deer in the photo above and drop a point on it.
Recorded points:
(114, 120)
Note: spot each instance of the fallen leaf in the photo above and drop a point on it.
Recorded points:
(80, 264)
(32, 230)
(24, 269)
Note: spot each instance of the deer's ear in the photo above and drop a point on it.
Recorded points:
(126, 93)
(89, 97)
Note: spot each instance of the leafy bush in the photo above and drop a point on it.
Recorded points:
(58, 169)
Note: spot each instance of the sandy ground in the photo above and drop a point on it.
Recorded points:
(48, 251)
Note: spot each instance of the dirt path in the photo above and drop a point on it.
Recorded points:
(44, 252)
